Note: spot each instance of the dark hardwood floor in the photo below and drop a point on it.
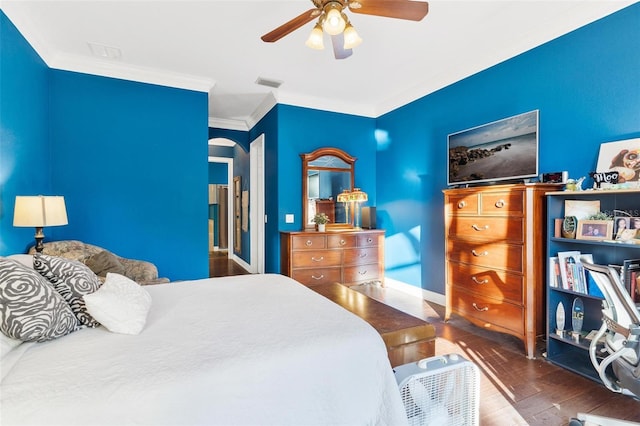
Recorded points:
(514, 390)
(221, 266)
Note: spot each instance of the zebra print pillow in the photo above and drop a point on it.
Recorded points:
(30, 309)
(72, 280)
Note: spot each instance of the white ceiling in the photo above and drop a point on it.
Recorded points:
(215, 47)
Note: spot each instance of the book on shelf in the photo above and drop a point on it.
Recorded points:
(555, 278)
(629, 275)
(572, 272)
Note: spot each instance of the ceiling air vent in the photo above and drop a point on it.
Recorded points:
(269, 82)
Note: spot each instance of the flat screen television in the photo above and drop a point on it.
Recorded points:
(504, 150)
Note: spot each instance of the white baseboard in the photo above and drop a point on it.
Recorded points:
(411, 290)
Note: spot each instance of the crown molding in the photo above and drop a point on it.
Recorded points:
(353, 108)
(116, 69)
(228, 124)
(262, 109)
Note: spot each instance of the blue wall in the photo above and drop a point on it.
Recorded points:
(586, 86)
(24, 138)
(218, 173)
(131, 160)
(303, 130)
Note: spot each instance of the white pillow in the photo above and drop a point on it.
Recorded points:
(120, 304)
(25, 259)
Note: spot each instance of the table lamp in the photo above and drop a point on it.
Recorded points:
(39, 211)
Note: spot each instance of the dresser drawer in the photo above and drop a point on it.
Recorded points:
(502, 203)
(493, 283)
(360, 256)
(462, 204)
(341, 241)
(487, 228)
(319, 259)
(309, 242)
(313, 276)
(488, 312)
(359, 273)
(367, 240)
(491, 255)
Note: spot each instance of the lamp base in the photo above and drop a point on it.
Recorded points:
(39, 238)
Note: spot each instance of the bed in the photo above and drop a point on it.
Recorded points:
(252, 350)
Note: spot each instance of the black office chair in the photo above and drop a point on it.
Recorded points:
(621, 331)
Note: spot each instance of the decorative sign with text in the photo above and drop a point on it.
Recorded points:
(604, 177)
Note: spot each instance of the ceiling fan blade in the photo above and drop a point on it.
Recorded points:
(290, 26)
(339, 52)
(401, 9)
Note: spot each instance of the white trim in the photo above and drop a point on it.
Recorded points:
(226, 124)
(116, 69)
(414, 291)
(258, 114)
(256, 197)
(221, 142)
(239, 260)
(229, 162)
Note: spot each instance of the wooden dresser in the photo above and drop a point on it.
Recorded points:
(496, 258)
(348, 257)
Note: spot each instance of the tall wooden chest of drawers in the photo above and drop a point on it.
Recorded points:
(346, 256)
(496, 258)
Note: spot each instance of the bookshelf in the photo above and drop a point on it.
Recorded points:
(564, 351)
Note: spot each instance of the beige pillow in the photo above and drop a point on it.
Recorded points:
(104, 262)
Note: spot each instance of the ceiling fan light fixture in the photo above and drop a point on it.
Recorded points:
(315, 38)
(351, 37)
(334, 19)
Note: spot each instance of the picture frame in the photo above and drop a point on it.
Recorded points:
(622, 157)
(594, 230)
(581, 209)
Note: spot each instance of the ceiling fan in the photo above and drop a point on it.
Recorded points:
(333, 21)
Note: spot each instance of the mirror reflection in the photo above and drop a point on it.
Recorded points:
(327, 173)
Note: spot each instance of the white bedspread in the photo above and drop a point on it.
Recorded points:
(253, 349)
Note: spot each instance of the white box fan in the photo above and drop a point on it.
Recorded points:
(440, 390)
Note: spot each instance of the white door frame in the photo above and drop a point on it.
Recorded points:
(229, 162)
(256, 202)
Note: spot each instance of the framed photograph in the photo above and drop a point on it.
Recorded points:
(594, 230)
(622, 157)
(581, 209)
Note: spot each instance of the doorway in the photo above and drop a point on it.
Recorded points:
(224, 206)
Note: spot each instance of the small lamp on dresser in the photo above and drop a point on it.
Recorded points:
(39, 211)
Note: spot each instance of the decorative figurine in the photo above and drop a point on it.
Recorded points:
(560, 319)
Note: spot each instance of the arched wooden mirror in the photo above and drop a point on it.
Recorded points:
(326, 172)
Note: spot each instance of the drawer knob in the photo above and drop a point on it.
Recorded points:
(462, 204)
(363, 273)
(342, 242)
(369, 240)
(308, 243)
(500, 204)
(363, 255)
(480, 228)
(486, 308)
(320, 259)
(480, 254)
(477, 281)
(317, 278)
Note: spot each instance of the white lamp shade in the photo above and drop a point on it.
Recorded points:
(315, 38)
(351, 37)
(39, 211)
(334, 22)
